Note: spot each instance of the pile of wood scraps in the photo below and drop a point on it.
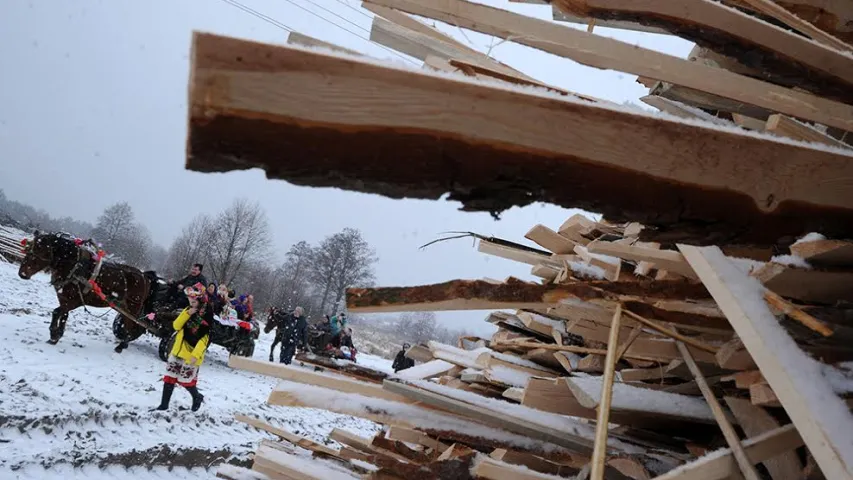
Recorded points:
(682, 353)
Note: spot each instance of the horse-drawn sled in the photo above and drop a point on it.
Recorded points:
(82, 277)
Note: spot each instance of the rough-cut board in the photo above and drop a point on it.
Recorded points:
(825, 252)
(491, 417)
(722, 465)
(607, 53)
(822, 419)
(780, 56)
(482, 295)
(297, 440)
(780, 13)
(788, 127)
(417, 26)
(755, 421)
(668, 260)
(818, 286)
(322, 120)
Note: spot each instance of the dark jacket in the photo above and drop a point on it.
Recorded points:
(190, 280)
(402, 362)
(291, 330)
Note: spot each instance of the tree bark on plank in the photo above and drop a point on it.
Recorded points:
(480, 295)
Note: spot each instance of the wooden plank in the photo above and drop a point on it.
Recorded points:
(419, 353)
(825, 426)
(297, 440)
(419, 438)
(679, 109)
(280, 465)
(656, 405)
(529, 257)
(302, 375)
(297, 111)
(779, 12)
(668, 260)
(746, 467)
(607, 53)
(297, 38)
(550, 240)
(481, 295)
(776, 54)
(485, 415)
(825, 252)
(755, 421)
(417, 26)
(722, 465)
(817, 286)
(788, 127)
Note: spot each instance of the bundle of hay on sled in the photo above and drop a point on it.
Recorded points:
(700, 330)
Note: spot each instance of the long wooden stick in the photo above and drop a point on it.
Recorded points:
(671, 333)
(729, 433)
(599, 453)
(778, 303)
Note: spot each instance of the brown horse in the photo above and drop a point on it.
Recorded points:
(81, 278)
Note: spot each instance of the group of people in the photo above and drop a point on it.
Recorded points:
(203, 303)
(333, 336)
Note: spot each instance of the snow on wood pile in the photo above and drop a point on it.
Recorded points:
(749, 349)
(536, 387)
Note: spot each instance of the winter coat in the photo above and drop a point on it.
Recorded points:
(190, 280)
(402, 362)
(291, 329)
(337, 324)
(193, 336)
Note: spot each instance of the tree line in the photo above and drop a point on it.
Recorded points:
(236, 248)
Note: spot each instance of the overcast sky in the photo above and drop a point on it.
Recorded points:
(93, 111)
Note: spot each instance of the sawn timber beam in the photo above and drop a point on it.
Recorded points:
(326, 120)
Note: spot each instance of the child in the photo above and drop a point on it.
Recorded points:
(191, 342)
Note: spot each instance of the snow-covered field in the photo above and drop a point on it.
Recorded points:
(80, 410)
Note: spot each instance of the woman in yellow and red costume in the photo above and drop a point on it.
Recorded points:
(193, 327)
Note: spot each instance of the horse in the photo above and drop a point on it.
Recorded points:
(82, 278)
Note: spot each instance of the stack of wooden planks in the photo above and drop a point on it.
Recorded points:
(702, 316)
(627, 360)
(10, 244)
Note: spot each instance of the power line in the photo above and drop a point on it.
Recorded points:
(339, 16)
(282, 26)
(258, 14)
(349, 31)
(357, 10)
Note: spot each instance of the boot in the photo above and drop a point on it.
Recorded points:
(168, 388)
(197, 398)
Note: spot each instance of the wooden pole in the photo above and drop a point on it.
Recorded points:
(599, 454)
(729, 433)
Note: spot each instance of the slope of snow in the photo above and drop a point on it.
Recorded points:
(80, 410)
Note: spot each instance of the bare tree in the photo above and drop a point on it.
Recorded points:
(342, 260)
(417, 326)
(157, 257)
(294, 288)
(120, 235)
(191, 246)
(240, 235)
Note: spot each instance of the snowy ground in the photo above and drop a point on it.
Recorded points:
(79, 410)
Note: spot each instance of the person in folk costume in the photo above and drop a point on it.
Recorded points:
(193, 327)
(401, 361)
